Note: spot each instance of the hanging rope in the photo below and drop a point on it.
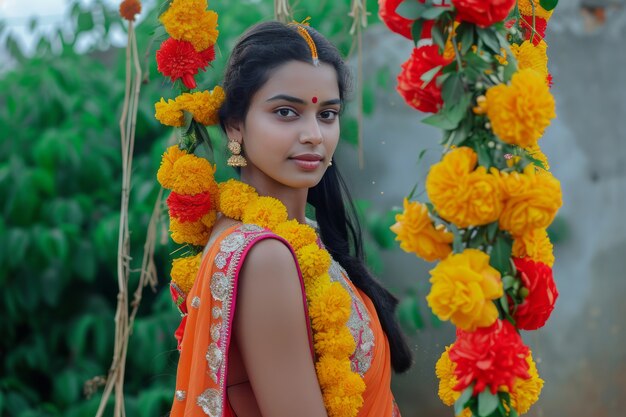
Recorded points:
(282, 12)
(358, 12)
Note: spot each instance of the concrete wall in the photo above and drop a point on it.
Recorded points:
(580, 352)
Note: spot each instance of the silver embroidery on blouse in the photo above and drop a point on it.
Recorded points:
(232, 242)
(216, 312)
(358, 323)
(214, 357)
(180, 395)
(211, 402)
(215, 331)
(220, 260)
(195, 302)
(250, 228)
(219, 286)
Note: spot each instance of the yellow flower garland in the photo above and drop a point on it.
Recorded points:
(329, 303)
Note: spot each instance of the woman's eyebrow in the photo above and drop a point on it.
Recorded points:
(297, 100)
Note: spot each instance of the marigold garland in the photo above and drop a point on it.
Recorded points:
(329, 303)
(489, 87)
(184, 271)
(179, 60)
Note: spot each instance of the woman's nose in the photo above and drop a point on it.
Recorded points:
(311, 131)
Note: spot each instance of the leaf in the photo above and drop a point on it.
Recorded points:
(438, 37)
(441, 121)
(434, 12)
(484, 158)
(452, 89)
(548, 4)
(416, 30)
(429, 75)
(466, 36)
(501, 254)
(507, 282)
(487, 403)
(410, 9)
(488, 37)
(462, 401)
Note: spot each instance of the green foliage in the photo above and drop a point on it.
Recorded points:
(60, 178)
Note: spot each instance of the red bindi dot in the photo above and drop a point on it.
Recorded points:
(314, 100)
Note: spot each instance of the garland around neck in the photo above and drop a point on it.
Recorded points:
(329, 303)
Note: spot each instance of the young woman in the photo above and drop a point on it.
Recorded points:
(249, 347)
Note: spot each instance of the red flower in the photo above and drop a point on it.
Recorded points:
(178, 59)
(483, 12)
(489, 357)
(542, 294)
(526, 22)
(428, 98)
(189, 208)
(400, 25)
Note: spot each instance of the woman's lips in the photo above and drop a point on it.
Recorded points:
(308, 162)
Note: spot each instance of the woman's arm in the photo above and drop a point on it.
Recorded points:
(271, 331)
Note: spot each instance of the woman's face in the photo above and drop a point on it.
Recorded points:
(291, 129)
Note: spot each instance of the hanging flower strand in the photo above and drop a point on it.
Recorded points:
(480, 68)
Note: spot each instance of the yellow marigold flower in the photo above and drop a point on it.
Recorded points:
(266, 212)
(194, 233)
(520, 112)
(344, 399)
(235, 197)
(203, 105)
(417, 234)
(536, 245)
(336, 342)
(184, 271)
(170, 113)
(297, 234)
(531, 200)
(526, 391)
(331, 307)
(532, 57)
(444, 369)
(463, 286)
(313, 261)
(129, 9)
(535, 152)
(209, 219)
(526, 9)
(192, 175)
(462, 195)
(188, 20)
(164, 175)
(331, 369)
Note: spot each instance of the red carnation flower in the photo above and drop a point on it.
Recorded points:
(489, 357)
(483, 12)
(542, 294)
(178, 59)
(526, 22)
(428, 98)
(189, 208)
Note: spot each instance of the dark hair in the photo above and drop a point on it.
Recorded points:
(261, 49)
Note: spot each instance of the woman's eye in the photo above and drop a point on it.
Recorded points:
(285, 112)
(328, 115)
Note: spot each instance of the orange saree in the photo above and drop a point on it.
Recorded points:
(201, 380)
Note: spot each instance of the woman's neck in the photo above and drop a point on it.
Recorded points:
(294, 199)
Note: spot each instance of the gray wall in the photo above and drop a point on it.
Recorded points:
(580, 352)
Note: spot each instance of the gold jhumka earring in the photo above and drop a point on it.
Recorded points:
(236, 159)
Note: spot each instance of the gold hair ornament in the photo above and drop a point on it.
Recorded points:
(301, 26)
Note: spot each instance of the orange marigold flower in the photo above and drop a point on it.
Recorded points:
(526, 9)
(297, 234)
(204, 105)
(192, 175)
(265, 212)
(194, 233)
(417, 234)
(532, 56)
(235, 197)
(531, 200)
(188, 20)
(313, 261)
(129, 9)
(169, 113)
(184, 271)
(535, 152)
(164, 175)
(526, 392)
(462, 195)
(520, 112)
(463, 287)
(536, 245)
